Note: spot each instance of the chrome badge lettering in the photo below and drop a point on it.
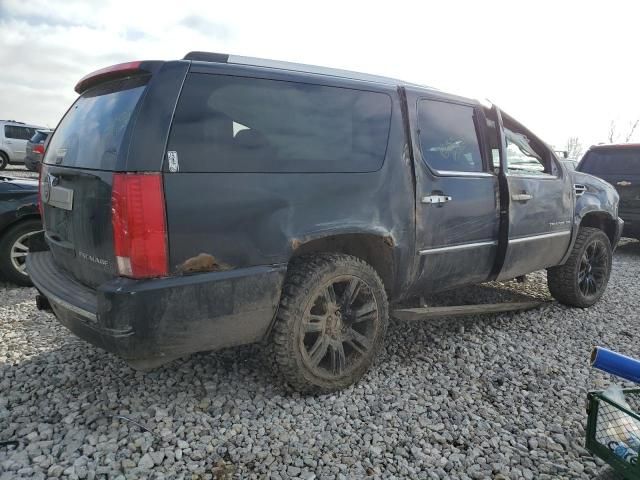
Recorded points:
(91, 258)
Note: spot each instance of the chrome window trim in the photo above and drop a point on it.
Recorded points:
(455, 173)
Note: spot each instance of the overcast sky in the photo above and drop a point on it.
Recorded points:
(563, 68)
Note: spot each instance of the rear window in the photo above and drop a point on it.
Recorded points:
(611, 162)
(90, 134)
(236, 124)
(39, 137)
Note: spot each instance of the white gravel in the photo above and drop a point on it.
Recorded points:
(497, 396)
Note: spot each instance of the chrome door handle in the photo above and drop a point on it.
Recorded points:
(436, 199)
(521, 197)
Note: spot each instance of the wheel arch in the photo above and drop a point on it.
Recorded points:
(601, 220)
(12, 222)
(374, 247)
(596, 218)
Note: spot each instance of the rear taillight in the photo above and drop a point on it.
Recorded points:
(40, 191)
(139, 226)
(38, 149)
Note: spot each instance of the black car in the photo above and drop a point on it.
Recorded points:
(19, 222)
(217, 200)
(35, 150)
(619, 164)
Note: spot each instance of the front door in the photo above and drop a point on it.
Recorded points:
(457, 194)
(540, 202)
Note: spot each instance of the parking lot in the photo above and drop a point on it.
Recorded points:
(496, 396)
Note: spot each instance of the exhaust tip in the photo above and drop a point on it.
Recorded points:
(42, 303)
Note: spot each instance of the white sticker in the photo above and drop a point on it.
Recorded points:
(174, 166)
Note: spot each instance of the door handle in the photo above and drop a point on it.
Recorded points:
(521, 197)
(623, 183)
(436, 199)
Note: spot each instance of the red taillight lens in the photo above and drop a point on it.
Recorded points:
(139, 226)
(38, 149)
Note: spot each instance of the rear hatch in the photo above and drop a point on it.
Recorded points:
(86, 155)
(621, 168)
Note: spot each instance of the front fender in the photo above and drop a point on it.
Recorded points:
(600, 198)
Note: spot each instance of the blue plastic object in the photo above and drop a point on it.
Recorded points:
(616, 364)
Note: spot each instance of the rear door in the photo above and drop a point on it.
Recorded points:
(540, 202)
(621, 168)
(457, 203)
(16, 137)
(89, 144)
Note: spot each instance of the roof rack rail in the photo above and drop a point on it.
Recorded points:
(297, 67)
(13, 121)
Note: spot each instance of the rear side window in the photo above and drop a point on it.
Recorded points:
(90, 134)
(237, 124)
(18, 133)
(448, 137)
(611, 162)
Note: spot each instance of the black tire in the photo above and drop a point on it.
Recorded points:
(4, 160)
(8, 268)
(325, 341)
(582, 280)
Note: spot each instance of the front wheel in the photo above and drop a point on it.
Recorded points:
(331, 322)
(582, 280)
(4, 161)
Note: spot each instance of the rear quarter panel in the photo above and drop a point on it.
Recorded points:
(249, 219)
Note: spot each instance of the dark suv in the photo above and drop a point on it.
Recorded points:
(620, 166)
(217, 200)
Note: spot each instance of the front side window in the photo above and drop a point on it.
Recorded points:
(526, 155)
(238, 124)
(448, 137)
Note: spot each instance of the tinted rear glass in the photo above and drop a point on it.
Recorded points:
(236, 124)
(39, 137)
(90, 134)
(611, 162)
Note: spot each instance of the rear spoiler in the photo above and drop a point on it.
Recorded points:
(113, 72)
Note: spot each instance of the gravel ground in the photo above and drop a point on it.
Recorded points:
(496, 396)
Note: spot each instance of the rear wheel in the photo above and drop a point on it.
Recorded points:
(331, 322)
(14, 247)
(4, 160)
(582, 280)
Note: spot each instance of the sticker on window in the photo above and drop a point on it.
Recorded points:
(172, 156)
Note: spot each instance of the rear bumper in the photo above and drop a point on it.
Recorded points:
(32, 161)
(151, 322)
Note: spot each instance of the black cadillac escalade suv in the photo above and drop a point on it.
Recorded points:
(217, 200)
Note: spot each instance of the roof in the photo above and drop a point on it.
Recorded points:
(614, 146)
(296, 67)
(21, 124)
